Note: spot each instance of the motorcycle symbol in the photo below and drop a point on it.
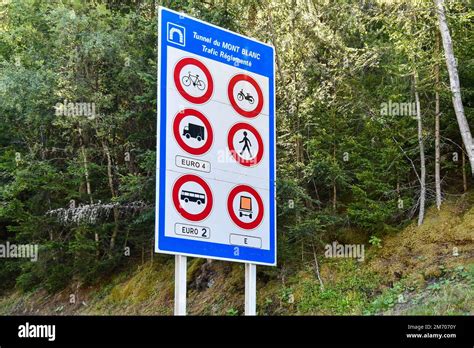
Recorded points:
(241, 96)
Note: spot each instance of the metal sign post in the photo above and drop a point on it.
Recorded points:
(250, 289)
(180, 270)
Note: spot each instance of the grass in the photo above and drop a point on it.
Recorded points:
(411, 272)
(450, 294)
(346, 294)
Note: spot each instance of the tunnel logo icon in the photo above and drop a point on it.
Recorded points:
(176, 34)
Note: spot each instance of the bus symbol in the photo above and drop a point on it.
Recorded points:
(245, 208)
(189, 196)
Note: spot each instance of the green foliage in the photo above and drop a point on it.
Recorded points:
(341, 161)
(450, 294)
(349, 295)
(9, 271)
(232, 312)
(375, 241)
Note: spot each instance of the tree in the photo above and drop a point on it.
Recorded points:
(422, 178)
(437, 132)
(342, 162)
(454, 83)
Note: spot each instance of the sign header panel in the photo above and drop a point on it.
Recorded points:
(215, 143)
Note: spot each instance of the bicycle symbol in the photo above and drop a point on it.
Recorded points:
(241, 96)
(195, 80)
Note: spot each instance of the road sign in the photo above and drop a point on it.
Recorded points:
(215, 143)
(193, 80)
(192, 197)
(245, 144)
(245, 95)
(193, 131)
(245, 207)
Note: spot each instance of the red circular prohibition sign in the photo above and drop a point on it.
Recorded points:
(175, 192)
(230, 207)
(177, 135)
(177, 81)
(230, 94)
(230, 143)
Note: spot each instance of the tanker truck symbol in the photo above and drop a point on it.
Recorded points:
(194, 131)
(245, 208)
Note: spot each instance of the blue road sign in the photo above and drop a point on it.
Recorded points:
(215, 143)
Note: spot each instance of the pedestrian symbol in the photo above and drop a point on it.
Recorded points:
(247, 144)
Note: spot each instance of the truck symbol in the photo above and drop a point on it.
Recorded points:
(194, 131)
(189, 196)
(245, 208)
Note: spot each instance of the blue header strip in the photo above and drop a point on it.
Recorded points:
(219, 44)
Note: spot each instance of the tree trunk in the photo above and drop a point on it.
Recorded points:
(274, 42)
(421, 214)
(464, 177)
(316, 265)
(110, 177)
(437, 135)
(334, 188)
(454, 82)
(85, 163)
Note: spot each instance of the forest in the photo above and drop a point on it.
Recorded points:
(374, 101)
